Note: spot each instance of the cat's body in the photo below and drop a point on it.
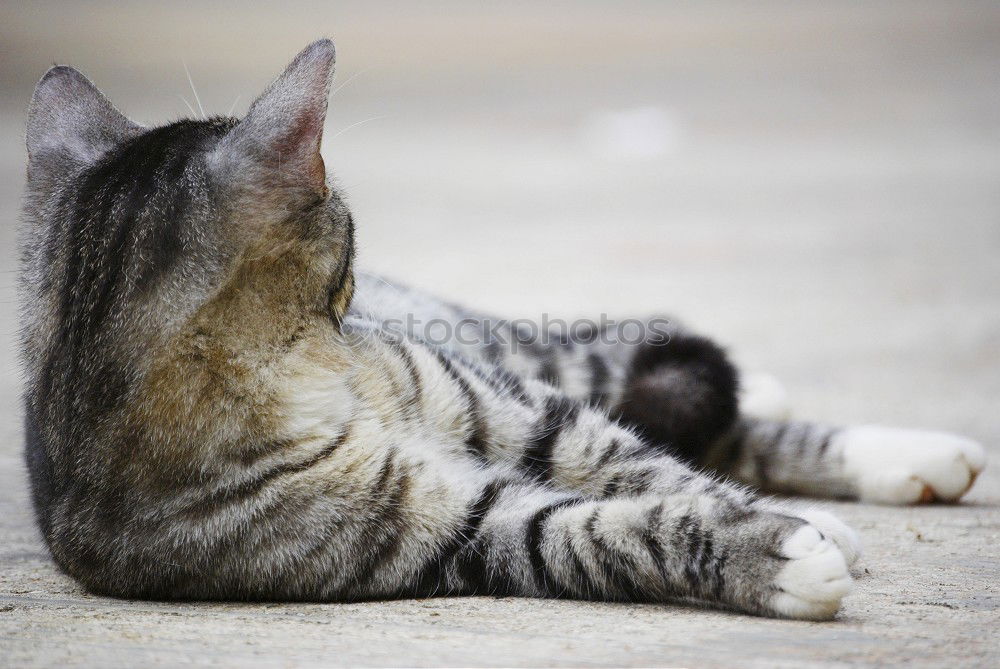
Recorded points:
(215, 407)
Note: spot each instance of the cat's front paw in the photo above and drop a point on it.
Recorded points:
(814, 578)
(834, 529)
(779, 564)
(897, 466)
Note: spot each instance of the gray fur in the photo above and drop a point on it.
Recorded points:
(215, 408)
(70, 117)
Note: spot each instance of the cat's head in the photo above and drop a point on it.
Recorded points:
(129, 229)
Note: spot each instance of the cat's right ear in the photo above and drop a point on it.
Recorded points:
(70, 118)
(278, 142)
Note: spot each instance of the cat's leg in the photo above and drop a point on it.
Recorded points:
(441, 478)
(870, 463)
(576, 447)
(446, 478)
(682, 393)
(549, 437)
(679, 389)
(524, 539)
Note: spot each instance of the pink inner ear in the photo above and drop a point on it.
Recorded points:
(284, 126)
(306, 130)
(297, 148)
(316, 173)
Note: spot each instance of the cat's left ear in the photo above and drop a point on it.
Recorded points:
(278, 141)
(68, 116)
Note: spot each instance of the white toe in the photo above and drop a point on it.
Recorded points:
(815, 579)
(896, 466)
(834, 529)
(803, 543)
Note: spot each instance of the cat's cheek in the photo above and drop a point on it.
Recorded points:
(898, 466)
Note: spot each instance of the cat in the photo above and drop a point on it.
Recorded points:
(217, 408)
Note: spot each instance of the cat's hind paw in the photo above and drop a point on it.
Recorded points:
(814, 578)
(897, 466)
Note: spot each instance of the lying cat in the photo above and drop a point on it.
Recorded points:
(216, 408)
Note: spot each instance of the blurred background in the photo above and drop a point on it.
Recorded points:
(815, 184)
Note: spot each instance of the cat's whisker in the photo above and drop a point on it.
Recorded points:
(194, 90)
(349, 80)
(184, 100)
(389, 285)
(229, 112)
(354, 125)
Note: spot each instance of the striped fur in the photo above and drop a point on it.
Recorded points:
(216, 409)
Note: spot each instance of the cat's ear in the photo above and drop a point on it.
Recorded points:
(69, 116)
(279, 138)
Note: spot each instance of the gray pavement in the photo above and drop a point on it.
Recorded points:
(818, 185)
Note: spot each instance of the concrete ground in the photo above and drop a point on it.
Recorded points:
(818, 185)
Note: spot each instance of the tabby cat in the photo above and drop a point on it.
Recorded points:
(216, 408)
